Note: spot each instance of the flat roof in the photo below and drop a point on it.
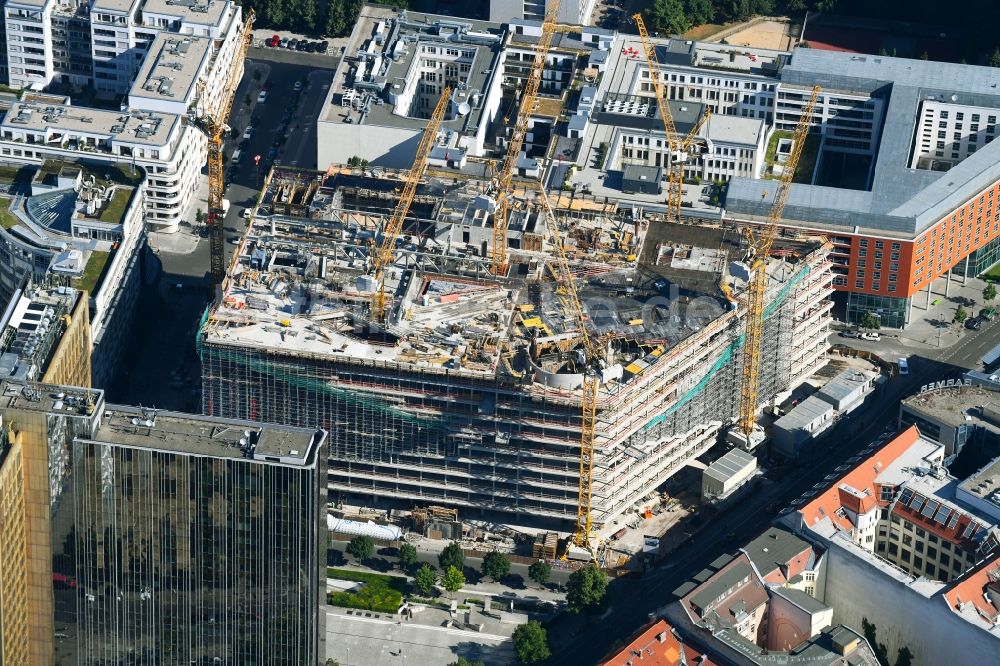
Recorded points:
(958, 405)
(804, 414)
(985, 483)
(114, 5)
(207, 436)
(804, 601)
(902, 202)
(193, 11)
(729, 465)
(170, 69)
(394, 49)
(845, 384)
(49, 398)
(143, 127)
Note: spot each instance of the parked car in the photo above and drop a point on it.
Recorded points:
(302, 45)
(248, 132)
(291, 43)
(262, 97)
(283, 43)
(311, 47)
(870, 335)
(323, 47)
(904, 368)
(849, 333)
(297, 87)
(247, 212)
(274, 40)
(974, 323)
(988, 314)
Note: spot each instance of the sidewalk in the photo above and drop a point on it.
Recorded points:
(931, 326)
(184, 241)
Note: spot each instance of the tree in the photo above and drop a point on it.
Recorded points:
(540, 572)
(199, 216)
(332, 662)
(407, 555)
(425, 578)
(451, 556)
(453, 579)
(699, 11)
(585, 588)
(336, 21)
(257, 76)
(994, 60)
(989, 293)
(496, 565)
(462, 661)
(358, 162)
(960, 315)
(904, 657)
(871, 321)
(531, 643)
(246, 99)
(308, 16)
(667, 16)
(361, 547)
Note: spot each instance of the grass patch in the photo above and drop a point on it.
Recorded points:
(703, 31)
(93, 272)
(993, 274)
(114, 211)
(7, 219)
(807, 162)
(383, 594)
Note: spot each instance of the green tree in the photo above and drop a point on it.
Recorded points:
(451, 556)
(199, 216)
(257, 76)
(425, 578)
(336, 20)
(453, 579)
(668, 17)
(462, 661)
(699, 11)
(531, 643)
(994, 59)
(246, 99)
(989, 292)
(540, 572)
(361, 547)
(307, 16)
(332, 662)
(496, 565)
(870, 321)
(586, 588)
(871, 635)
(904, 657)
(407, 555)
(960, 315)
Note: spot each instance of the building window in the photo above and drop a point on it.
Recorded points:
(904, 555)
(921, 533)
(932, 538)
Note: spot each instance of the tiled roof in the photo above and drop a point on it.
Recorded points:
(860, 478)
(655, 645)
(969, 592)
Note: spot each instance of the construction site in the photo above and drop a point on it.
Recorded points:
(469, 394)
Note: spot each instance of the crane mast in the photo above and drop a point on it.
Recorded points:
(386, 250)
(759, 249)
(594, 353)
(214, 124)
(677, 150)
(505, 178)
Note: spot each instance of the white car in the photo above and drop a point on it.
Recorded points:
(871, 335)
(904, 368)
(247, 212)
(248, 132)
(262, 97)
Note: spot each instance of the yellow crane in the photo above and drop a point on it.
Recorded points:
(593, 354)
(678, 149)
(386, 250)
(213, 122)
(503, 185)
(759, 249)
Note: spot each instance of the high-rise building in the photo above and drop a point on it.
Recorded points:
(159, 537)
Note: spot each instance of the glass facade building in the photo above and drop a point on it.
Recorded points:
(177, 539)
(890, 310)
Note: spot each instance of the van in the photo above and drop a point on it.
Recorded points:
(237, 154)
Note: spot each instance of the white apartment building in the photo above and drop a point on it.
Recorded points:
(171, 151)
(947, 133)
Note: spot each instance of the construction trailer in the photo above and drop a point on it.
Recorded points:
(469, 395)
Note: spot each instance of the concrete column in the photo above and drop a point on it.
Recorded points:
(965, 271)
(947, 284)
(909, 311)
(927, 304)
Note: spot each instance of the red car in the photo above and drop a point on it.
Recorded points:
(274, 40)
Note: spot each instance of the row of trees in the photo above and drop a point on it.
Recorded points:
(328, 18)
(672, 17)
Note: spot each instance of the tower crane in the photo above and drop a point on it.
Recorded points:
(384, 254)
(503, 185)
(678, 149)
(758, 252)
(593, 356)
(213, 123)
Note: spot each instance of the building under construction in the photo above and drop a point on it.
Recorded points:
(469, 395)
